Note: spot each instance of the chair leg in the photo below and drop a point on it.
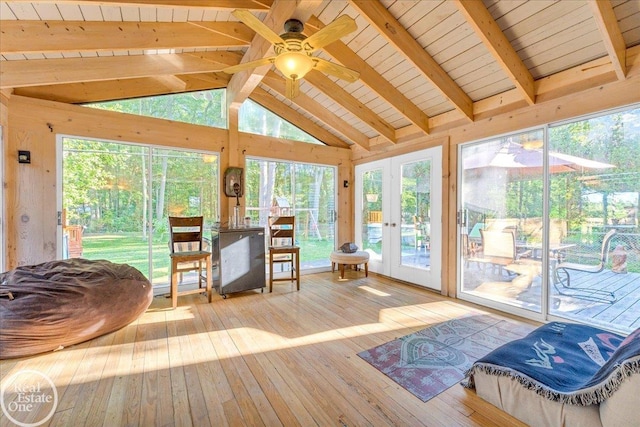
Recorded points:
(342, 271)
(597, 295)
(270, 272)
(366, 269)
(209, 278)
(297, 255)
(174, 284)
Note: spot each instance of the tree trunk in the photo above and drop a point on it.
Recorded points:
(162, 188)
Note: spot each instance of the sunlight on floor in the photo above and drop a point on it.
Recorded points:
(374, 291)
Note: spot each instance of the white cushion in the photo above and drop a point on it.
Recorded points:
(358, 257)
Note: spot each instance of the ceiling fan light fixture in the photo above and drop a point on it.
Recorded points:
(294, 65)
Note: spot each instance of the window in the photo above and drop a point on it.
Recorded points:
(257, 119)
(207, 108)
(304, 190)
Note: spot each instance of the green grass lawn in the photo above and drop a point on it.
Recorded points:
(133, 249)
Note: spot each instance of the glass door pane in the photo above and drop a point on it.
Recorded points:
(184, 184)
(372, 189)
(415, 205)
(595, 191)
(104, 202)
(501, 236)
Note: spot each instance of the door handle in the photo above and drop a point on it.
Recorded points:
(386, 224)
(393, 224)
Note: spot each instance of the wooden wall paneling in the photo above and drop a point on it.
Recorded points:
(345, 205)
(450, 256)
(231, 157)
(448, 277)
(4, 125)
(31, 200)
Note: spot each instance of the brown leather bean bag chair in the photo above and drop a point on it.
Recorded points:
(60, 303)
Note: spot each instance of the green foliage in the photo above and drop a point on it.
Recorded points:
(206, 108)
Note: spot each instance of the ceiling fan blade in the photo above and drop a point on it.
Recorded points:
(256, 25)
(336, 70)
(249, 65)
(332, 32)
(293, 88)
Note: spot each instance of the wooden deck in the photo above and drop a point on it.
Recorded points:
(524, 290)
(623, 314)
(285, 358)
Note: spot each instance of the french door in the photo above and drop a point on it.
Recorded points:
(398, 213)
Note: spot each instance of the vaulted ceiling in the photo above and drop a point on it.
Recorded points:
(424, 65)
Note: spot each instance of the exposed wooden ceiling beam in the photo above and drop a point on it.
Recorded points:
(351, 104)
(78, 36)
(75, 70)
(496, 42)
(257, 5)
(583, 77)
(277, 83)
(371, 78)
(272, 104)
(79, 93)
(380, 18)
(612, 38)
(243, 82)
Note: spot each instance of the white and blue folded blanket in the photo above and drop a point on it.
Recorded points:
(565, 362)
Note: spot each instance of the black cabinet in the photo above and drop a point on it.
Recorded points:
(238, 259)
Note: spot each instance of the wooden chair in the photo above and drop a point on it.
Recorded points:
(282, 249)
(187, 254)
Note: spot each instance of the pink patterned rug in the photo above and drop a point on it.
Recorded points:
(430, 361)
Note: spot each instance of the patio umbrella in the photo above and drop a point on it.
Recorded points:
(516, 157)
(492, 166)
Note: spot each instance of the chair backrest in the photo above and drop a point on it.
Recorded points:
(375, 217)
(186, 233)
(606, 242)
(499, 244)
(282, 230)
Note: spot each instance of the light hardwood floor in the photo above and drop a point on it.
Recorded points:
(287, 358)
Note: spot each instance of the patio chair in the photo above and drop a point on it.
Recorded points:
(499, 249)
(562, 276)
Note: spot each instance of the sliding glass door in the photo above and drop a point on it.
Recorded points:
(116, 199)
(501, 220)
(548, 221)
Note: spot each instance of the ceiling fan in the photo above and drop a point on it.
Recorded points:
(293, 49)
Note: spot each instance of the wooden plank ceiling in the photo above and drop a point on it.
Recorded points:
(424, 65)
